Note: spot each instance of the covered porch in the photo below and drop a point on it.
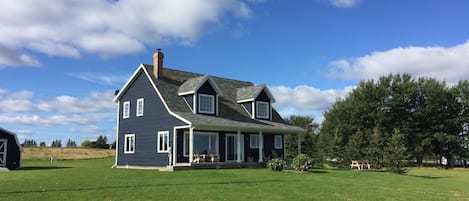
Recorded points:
(226, 146)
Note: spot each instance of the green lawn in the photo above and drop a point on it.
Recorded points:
(94, 180)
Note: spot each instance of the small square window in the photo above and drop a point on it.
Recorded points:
(254, 141)
(278, 142)
(163, 142)
(126, 110)
(129, 143)
(206, 104)
(262, 109)
(139, 107)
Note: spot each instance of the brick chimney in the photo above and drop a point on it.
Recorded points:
(158, 64)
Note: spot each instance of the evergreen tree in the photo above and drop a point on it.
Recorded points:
(42, 144)
(395, 153)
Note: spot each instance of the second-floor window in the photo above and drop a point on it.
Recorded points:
(126, 110)
(262, 109)
(206, 104)
(140, 107)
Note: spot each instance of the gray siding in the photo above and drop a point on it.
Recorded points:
(13, 151)
(155, 118)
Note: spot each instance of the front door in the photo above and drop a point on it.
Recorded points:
(3, 152)
(232, 147)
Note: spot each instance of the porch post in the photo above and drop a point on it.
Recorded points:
(174, 149)
(299, 143)
(238, 147)
(261, 147)
(191, 144)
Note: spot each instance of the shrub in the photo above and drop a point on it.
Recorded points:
(276, 164)
(302, 162)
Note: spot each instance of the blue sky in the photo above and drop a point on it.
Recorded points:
(60, 62)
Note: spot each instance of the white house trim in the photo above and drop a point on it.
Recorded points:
(117, 134)
(202, 82)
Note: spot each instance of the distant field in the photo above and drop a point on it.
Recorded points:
(93, 179)
(45, 153)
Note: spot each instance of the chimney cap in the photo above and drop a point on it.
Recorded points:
(158, 50)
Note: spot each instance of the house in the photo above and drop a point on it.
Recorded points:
(10, 150)
(168, 118)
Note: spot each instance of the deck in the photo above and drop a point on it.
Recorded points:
(217, 165)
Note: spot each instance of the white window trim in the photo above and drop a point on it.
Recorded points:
(267, 107)
(126, 136)
(165, 135)
(251, 145)
(276, 139)
(137, 111)
(126, 113)
(212, 111)
(186, 133)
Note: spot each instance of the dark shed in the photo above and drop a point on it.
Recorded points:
(10, 150)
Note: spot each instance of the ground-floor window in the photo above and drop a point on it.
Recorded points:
(278, 142)
(254, 141)
(204, 143)
(129, 143)
(163, 141)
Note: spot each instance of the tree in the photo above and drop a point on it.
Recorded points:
(29, 143)
(433, 118)
(375, 150)
(56, 143)
(86, 144)
(42, 144)
(308, 139)
(101, 143)
(71, 143)
(395, 153)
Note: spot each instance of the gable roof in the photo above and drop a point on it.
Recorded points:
(14, 136)
(250, 93)
(231, 115)
(192, 85)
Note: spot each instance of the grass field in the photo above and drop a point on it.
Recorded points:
(45, 153)
(93, 179)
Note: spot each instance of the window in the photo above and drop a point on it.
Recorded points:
(163, 142)
(129, 143)
(204, 143)
(278, 142)
(262, 109)
(126, 110)
(206, 104)
(139, 107)
(254, 141)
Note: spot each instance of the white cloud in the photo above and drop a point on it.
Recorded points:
(88, 129)
(107, 28)
(16, 101)
(101, 78)
(24, 132)
(306, 100)
(344, 3)
(22, 108)
(444, 63)
(97, 102)
(55, 120)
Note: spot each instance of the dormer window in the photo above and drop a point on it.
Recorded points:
(206, 104)
(262, 110)
(201, 95)
(256, 100)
